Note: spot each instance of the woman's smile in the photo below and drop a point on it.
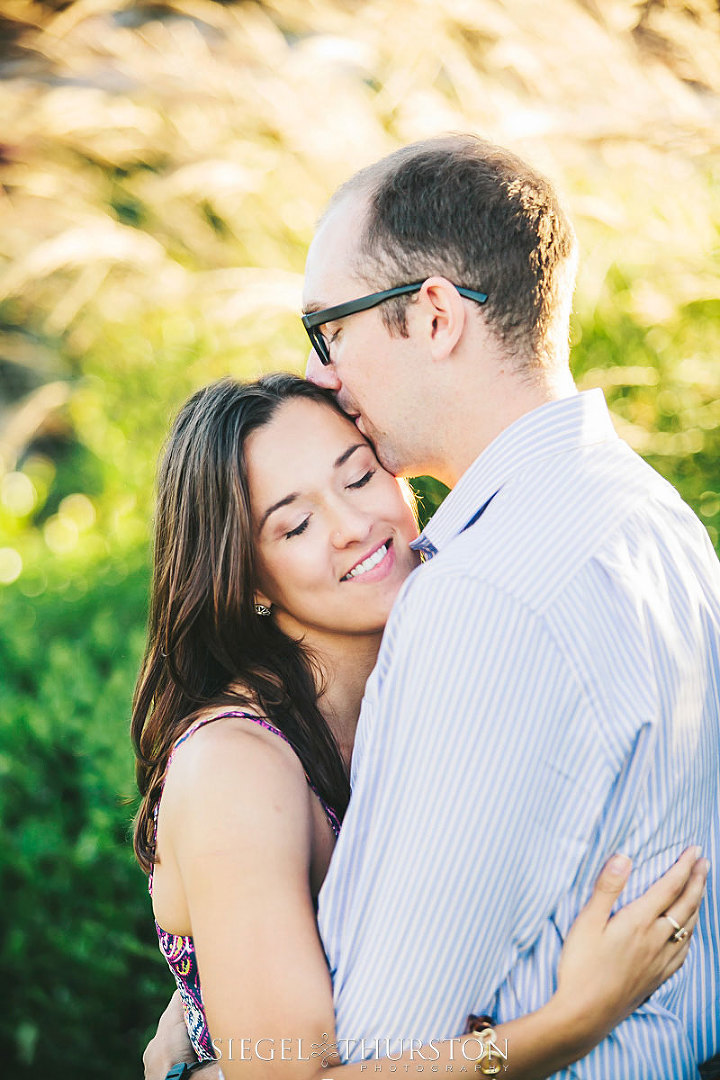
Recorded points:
(375, 566)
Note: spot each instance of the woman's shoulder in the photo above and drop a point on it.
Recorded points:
(234, 765)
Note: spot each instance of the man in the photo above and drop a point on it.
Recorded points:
(550, 681)
(547, 691)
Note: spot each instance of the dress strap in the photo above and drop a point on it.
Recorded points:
(223, 716)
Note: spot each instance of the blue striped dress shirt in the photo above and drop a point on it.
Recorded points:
(547, 693)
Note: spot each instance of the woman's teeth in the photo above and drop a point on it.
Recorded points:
(369, 563)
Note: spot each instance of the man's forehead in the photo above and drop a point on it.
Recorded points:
(333, 254)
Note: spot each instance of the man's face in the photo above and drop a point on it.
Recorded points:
(370, 372)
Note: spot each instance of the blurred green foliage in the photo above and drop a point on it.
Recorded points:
(663, 388)
(161, 168)
(78, 955)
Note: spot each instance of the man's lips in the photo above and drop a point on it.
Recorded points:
(378, 558)
(358, 422)
(351, 414)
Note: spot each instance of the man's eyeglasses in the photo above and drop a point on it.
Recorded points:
(316, 319)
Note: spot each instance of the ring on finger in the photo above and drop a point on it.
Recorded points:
(681, 932)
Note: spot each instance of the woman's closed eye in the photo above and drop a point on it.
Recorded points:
(299, 529)
(363, 479)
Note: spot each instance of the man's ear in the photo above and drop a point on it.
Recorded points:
(447, 315)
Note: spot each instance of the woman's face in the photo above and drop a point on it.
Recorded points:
(332, 528)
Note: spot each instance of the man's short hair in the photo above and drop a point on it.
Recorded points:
(477, 214)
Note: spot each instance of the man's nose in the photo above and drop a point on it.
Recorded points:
(323, 375)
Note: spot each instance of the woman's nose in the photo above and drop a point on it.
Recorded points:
(350, 525)
(323, 375)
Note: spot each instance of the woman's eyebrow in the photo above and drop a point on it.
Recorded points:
(278, 506)
(346, 454)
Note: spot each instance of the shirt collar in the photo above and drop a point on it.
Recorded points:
(556, 427)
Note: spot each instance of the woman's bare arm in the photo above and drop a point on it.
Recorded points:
(243, 844)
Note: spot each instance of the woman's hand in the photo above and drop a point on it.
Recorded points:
(609, 966)
(170, 1043)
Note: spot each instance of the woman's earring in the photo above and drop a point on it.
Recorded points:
(261, 609)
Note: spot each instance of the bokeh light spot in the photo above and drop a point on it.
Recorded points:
(61, 534)
(10, 566)
(18, 494)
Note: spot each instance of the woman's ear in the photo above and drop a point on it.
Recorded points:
(262, 607)
(260, 599)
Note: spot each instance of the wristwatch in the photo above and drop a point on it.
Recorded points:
(183, 1069)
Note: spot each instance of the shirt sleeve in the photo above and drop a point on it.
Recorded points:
(475, 794)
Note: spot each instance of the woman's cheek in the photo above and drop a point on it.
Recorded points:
(305, 565)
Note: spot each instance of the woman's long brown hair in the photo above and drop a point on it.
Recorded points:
(203, 634)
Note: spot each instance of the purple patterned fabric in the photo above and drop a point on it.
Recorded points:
(179, 950)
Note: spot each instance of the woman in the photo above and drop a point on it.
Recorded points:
(280, 547)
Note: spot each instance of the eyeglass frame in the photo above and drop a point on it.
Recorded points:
(315, 319)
